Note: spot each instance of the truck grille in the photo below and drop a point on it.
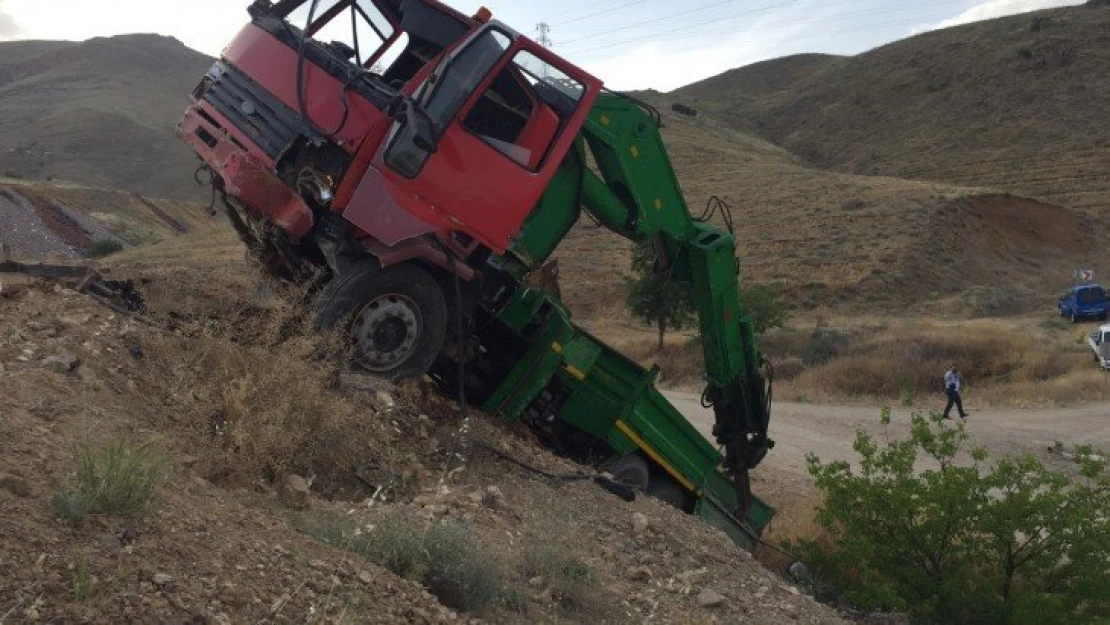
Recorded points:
(270, 124)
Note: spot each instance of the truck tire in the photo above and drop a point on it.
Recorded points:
(630, 470)
(394, 319)
(666, 489)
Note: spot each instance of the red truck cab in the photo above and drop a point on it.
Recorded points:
(294, 125)
(348, 139)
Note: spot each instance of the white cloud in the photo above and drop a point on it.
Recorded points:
(205, 25)
(667, 64)
(9, 28)
(1001, 8)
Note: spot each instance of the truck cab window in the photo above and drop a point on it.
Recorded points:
(524, 108)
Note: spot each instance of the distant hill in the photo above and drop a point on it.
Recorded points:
(99, 112)
(1019, 103)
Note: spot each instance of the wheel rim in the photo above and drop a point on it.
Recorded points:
(385, 331)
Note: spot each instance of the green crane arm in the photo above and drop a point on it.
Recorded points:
(637, 195)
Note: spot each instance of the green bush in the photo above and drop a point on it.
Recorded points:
(1012, 542)
(104, 247)
(444, 557)
(117, 480)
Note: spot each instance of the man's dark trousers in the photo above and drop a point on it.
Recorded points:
(954, 399)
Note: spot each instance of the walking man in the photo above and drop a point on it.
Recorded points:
(952, 383)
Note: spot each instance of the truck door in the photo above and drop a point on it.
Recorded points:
(502, 113)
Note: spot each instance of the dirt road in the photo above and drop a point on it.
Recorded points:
(828, 431)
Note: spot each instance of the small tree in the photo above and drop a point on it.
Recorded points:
(963, 542)
(655, 297)
(766, 306)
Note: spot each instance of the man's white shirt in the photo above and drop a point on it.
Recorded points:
(951, 378)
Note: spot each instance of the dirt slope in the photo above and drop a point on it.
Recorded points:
(234, 421)
(99, 112)
(1016, 103)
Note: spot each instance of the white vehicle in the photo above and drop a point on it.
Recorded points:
(1099, 340)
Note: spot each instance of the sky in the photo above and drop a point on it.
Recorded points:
(631, 44)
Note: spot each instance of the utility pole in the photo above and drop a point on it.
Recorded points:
(543, 31)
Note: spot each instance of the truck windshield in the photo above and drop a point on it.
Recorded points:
(354, 29)
(1092, 295)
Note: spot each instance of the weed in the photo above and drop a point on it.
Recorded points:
(458, 571)
(82, 579)
(569, 578)
(117, 480)
(444, 557)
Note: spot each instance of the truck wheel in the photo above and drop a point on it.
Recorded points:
(394, 319)
(665, 489)
(630, 470)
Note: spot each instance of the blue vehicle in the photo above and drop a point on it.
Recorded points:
(1083, 302)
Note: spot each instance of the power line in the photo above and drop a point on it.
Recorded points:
(836, 16)
(586, 17)
(669, 34)
(652, 21)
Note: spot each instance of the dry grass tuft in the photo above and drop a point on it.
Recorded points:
(443, 556)
(261, 400)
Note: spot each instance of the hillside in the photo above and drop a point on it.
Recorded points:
(851, 242)
(1017, 103)
(229, 541)
(54, 219)
(99, 112)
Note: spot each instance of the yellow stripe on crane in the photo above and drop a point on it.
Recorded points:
(654, 455)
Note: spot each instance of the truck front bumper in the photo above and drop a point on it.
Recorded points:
(244, 175)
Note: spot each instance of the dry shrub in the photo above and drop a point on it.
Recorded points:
(270, 407)
(572, 583)
(789, 368)
(908, 360)
(680, 360)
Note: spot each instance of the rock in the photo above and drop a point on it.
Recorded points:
(365, 577)
(63, 362)
(494, 498)
(294, 492)
(537, 581)
(162, 581)
(385, 401)
(710, 598)
(638, 573)
(798, 571)
(793, 590)
(1057, 447)
(221, 619)
(640, 523)
(16, 486)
